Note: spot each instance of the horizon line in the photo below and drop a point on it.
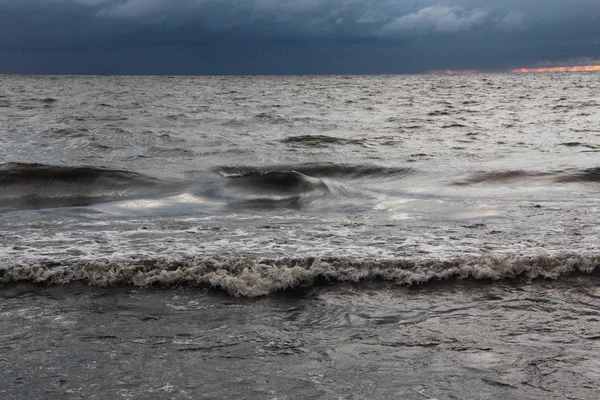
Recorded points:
(575, 68)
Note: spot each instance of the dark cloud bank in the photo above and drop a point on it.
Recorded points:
(293, 36)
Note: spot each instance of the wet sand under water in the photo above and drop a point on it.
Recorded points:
(450, 340)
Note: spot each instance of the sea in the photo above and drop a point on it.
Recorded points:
(295, 237)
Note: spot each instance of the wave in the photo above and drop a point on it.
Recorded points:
(46, 100)
(499, 176)
(318, 170)
(26, 186)
(259, 277)
(283, 186)
(272, 118)
(320, 140)
(277, 182)
(586, 175)
(67, 132)
(274, 190)
(454, 125)
(268, 203)
(578, 144)
(157, 151)
(580, 176)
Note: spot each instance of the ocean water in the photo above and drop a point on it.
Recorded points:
(420, 236)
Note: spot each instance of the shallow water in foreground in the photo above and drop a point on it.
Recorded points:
(452, 340)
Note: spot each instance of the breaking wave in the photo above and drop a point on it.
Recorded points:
(277, 182)
(259, 277)
(318, 170)
(26, 186)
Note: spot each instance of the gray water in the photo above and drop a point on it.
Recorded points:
(280, 188)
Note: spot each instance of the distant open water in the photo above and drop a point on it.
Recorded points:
(260, 184)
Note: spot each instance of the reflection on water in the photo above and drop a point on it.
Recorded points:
(467, 340)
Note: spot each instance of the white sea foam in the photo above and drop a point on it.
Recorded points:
(259, 277)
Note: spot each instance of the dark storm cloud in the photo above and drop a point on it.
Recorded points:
(285, 36)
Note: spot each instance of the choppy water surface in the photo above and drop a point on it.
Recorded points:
(256, 185)
(229, 170)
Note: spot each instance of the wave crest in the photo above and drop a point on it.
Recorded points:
(24, 186)
(277, 182)
(252, 277)
(318, 170)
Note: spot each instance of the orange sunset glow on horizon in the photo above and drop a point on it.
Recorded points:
(578, 68)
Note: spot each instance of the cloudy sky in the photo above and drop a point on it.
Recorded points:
(294, 36)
